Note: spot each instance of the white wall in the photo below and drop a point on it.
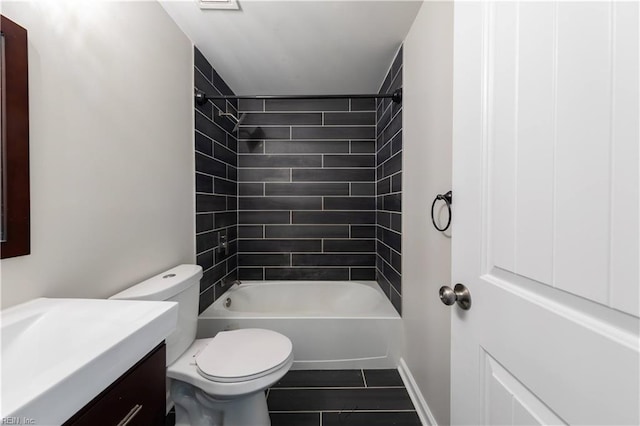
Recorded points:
(426, 256)
(111, 148)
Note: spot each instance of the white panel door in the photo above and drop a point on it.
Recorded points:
(546, 213)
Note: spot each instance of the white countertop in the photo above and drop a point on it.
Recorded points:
(58, 354)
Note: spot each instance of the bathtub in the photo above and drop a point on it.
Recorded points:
(332, 324)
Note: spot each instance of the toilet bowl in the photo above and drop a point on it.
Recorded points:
(218, 381)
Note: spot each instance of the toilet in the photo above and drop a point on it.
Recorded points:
(218, 381)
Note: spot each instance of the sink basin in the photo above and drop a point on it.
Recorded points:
(58, 354)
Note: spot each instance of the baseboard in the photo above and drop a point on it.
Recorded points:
(426, 417)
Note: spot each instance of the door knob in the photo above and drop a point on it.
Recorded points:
(459, 294)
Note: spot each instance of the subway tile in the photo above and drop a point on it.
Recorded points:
(363, 274)
(210, 203)
(306, 231)
(396, 182)
(206, 241)
(307, 104)
(210, 166)
(247, 259)
(250, 105)
(396, 300)
(220, 84)
(280, 160)
(396, 143)
(363, 231)
(383, 122)
(341, 188)
(393, 202)
(393, 165)
(396, 261)
(321, 378)
(280, 246)
(349, 118)
(362, 188)
(333, 217)
(383, 251)
(232, 203)
(232, 142)
(364, 132)
(212, 276)
(384, 284)
(295, 419)
(349, 246)
(205, 260)
(383, 378)
(263, 175)
(206, 126)
(392, 239)
(225, 219)
(251, 231)
(224, 154)
(383, 219)
(383, 186)
(286, 119)
(232, 262)
(396, 222)
(232, 173)
(394, 127)
(332, 175)
(251, 147)
(204, 144)
(368, 147)
(257, 132)
(204, 222)
(250, 273)
(310, 274)
(349, 203)
(201, 63)
(393, 277)
(204, 183)
(362, 104)
(263, 217)
(357, 418)
(339, 399)
(383, 154)
(333, 260)
(226, 187)
(205, 300)
(232, 232)
(308, 147)
(280, 203)
(352, 160)
(256, 188)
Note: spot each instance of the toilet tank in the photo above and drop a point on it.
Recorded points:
(180, 284)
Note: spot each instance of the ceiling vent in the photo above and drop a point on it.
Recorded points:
(219, 4)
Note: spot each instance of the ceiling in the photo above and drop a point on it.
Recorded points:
(299, 46)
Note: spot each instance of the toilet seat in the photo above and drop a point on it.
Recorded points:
(241, 355)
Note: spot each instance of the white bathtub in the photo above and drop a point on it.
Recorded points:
(332, 324)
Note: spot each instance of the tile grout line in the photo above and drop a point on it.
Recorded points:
(362, 371)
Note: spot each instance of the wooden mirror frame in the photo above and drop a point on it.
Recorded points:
(15, 140)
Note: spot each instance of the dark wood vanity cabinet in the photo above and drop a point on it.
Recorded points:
(137, 398)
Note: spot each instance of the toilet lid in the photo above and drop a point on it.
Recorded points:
(244, 354)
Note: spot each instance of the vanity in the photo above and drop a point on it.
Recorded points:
(85, 361)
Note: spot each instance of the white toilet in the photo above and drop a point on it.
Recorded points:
(219, 380)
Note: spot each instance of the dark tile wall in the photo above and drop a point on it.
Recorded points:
(389, 187)
(216, 161)
(306, 183)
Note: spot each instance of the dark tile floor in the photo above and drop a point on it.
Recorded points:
(339, 398)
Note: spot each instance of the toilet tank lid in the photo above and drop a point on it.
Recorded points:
(164, 285)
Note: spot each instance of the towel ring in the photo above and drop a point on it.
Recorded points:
(448, 199)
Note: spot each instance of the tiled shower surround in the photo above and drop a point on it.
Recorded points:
(389, 187)
(216, 185)
(307, 189)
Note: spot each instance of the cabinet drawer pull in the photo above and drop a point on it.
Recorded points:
(130, 415)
